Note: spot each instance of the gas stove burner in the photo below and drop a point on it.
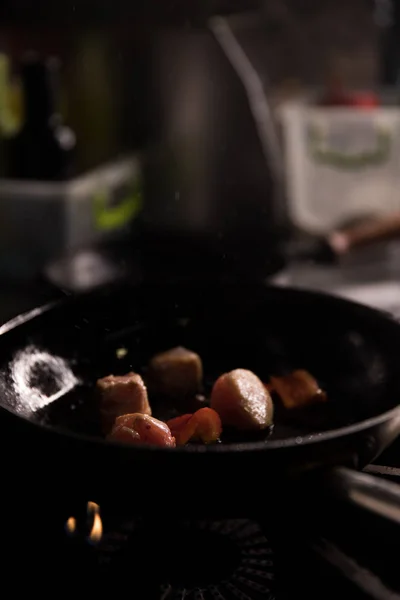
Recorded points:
(191, 560)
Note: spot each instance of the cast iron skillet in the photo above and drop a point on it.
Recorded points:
(51, 358)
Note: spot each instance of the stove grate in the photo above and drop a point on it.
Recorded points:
(193, 560)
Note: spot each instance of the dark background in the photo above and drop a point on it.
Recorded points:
(104, 49)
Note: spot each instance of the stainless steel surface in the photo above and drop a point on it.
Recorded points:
(368, 276)
(207, 171)
(368, 492)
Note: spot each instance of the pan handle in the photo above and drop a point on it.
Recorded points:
(366, 233)
(341, 242)
(365, 491)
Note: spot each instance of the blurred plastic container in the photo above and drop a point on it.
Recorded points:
(40, 220)
(341, 163)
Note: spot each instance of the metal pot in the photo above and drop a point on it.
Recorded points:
(212, 168)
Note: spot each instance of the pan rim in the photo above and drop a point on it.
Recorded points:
(296, 441)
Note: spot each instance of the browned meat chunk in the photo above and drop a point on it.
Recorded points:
(177, 373)
(298, 389)
(242, 401)
(142, 429)
(120, 395)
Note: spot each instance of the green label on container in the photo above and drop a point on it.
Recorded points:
(348, 144)
(114, 209)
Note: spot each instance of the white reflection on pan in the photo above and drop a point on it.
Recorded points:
(39, 378)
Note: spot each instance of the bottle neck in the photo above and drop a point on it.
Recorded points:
(39, 95)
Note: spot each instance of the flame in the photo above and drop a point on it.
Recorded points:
(96, 532)
(70, 525)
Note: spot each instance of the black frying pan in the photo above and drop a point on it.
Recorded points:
(51, 358)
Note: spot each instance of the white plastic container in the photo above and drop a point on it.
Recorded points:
(341, 163)
(40, 221)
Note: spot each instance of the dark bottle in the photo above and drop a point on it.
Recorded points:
(43, 149)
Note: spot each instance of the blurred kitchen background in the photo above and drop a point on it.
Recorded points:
(210, 138)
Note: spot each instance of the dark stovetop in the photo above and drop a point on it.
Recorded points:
(338, 552)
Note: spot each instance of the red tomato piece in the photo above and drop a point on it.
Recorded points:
(204, 425)
(179, 429)
(208, 425)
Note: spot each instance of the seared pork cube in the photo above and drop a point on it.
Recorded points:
(120, 395)
(142, 429)
(242, 401)
(177, 373)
